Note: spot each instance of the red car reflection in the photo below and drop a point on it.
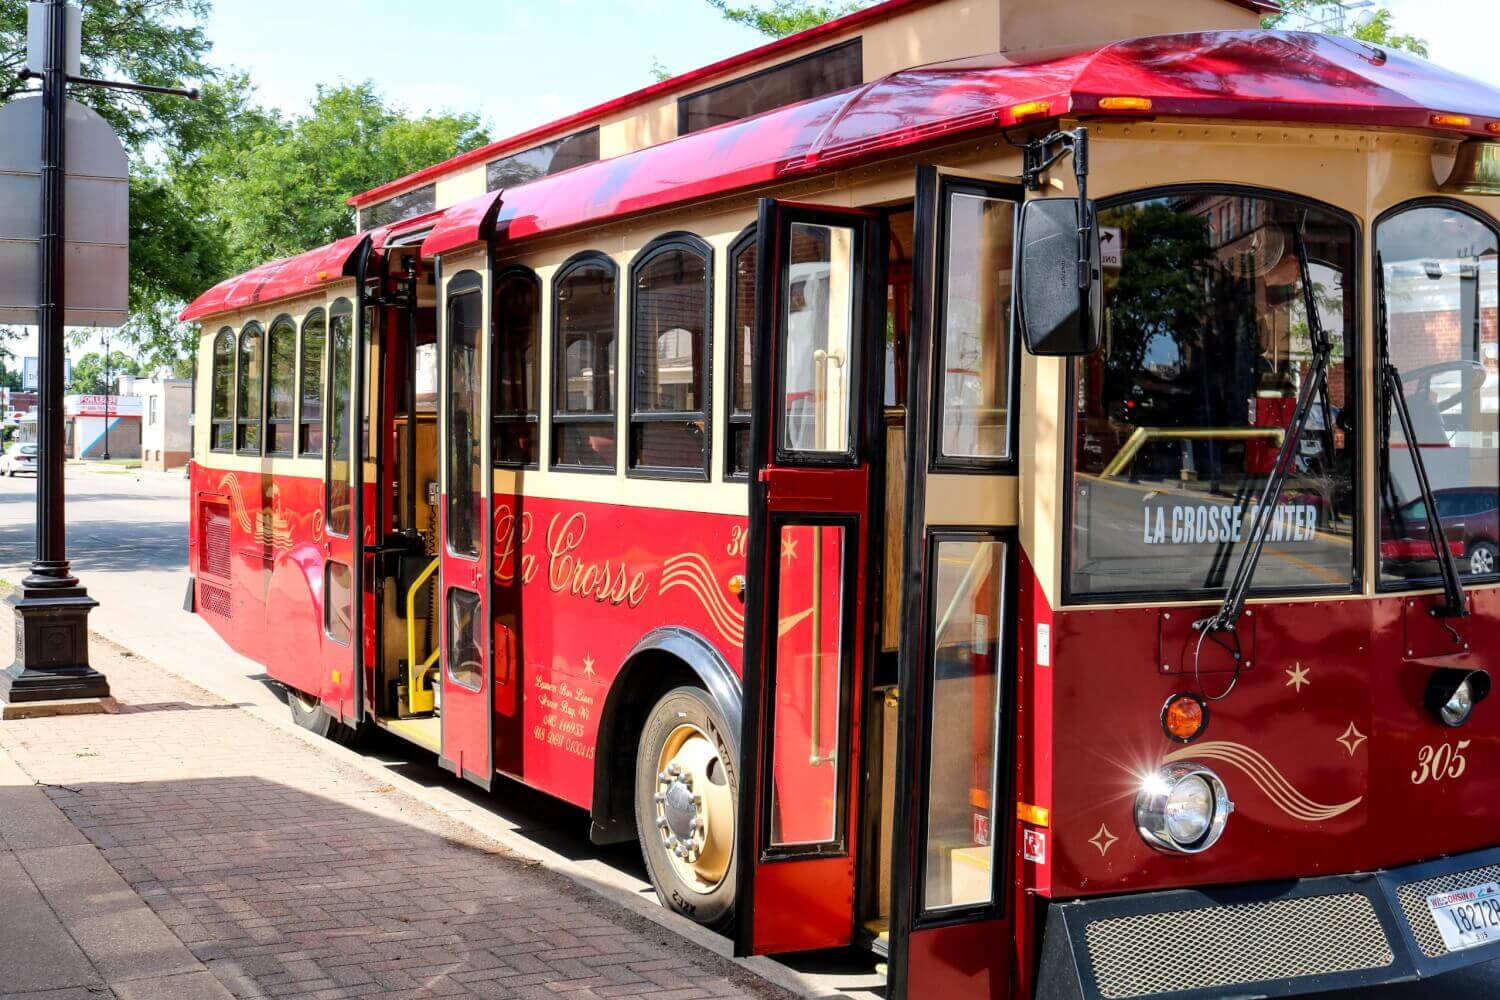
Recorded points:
(1470, 518)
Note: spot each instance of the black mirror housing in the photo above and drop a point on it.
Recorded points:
(1059, 311)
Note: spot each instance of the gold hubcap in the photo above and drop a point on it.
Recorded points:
(694, 808)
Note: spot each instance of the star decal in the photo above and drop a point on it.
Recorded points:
(588, 665)
(1103, 840)
(1298, 674)
(1352, 738)
(788, 548)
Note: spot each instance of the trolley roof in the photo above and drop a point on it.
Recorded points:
(1235, 75)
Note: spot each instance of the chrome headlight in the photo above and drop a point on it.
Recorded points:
(1453, 692)
(1182, 809)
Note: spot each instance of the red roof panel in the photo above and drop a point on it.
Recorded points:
(1256, 75)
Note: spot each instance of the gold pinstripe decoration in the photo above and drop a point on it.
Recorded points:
(1282, 793)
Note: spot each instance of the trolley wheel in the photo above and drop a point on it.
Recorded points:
(309, 713)
(686, 794)
(1484, 557)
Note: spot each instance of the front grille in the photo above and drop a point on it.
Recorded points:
(215, 521)
(1246, 943)
(215, 600)
(1413, 897)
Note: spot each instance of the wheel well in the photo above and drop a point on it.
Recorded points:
(666, 659)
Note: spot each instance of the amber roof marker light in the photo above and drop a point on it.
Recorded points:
(1446, 120)
(1135, 104)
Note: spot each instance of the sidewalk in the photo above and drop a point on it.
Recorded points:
(184, 848)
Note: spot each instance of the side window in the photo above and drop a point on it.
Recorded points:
(743, 260)
(1438, 277)
(517, 322)
(670, 345)
(975, 355)
(583, 389)
(310, 388)
(249, 389)
(221, 405)
(281, 395)
(339, 469)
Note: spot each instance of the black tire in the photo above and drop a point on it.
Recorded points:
(309, 713)
(680, 708)
(1483, 558)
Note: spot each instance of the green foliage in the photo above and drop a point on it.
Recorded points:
(1377, 30)
(89, 372)
(787, 17)
(274, 187)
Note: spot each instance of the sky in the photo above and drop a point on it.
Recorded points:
(521, 64)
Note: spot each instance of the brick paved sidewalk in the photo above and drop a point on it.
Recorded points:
(289, 874)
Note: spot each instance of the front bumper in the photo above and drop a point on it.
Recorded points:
(1265, 940)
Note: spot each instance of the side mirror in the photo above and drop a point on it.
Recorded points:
(1060, 313)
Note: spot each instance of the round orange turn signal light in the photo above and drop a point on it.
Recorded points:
(1184, 717)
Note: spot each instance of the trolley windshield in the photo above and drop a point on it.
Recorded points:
(1179, 418)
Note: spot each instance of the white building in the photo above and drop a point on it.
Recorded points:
(166, 408)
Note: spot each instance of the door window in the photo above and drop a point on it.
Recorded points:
(817, 331)
(465, 463)
(340, 469)
(806, 783)
(976, 357)
(964, 684)
(465, 655)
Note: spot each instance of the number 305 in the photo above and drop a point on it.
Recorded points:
(1440, 762)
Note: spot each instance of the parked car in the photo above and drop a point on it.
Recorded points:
(19, 458)
(1470, 517)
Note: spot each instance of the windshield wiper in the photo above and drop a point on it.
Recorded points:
(1454, 605)
(1315, 388)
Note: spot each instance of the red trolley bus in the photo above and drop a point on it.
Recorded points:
(1033, 514)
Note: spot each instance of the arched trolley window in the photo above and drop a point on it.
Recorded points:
(221, 402)
(516, 318)
(310, 384)
(671, 322)
(584, 318)
(281, 389)
(250, 397)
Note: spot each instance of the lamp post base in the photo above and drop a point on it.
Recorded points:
(52, 647)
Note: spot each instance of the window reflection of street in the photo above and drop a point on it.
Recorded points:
(1180, 416)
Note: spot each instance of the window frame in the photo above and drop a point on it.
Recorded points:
(283, 323)
(532, 417)
(234, 361)
(1434, 582)
(259, 420)
(856, 42)
(303, 422)
(665, 244)
(749, 238)
(1354, 360)
(557, 417)
(937, 460)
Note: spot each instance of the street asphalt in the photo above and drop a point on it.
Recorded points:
(127, 537)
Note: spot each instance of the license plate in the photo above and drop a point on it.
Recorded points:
(1467, 917)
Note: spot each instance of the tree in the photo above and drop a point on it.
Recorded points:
(89, 372)
(273, 187)
(787, 17)
(1376, 28)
